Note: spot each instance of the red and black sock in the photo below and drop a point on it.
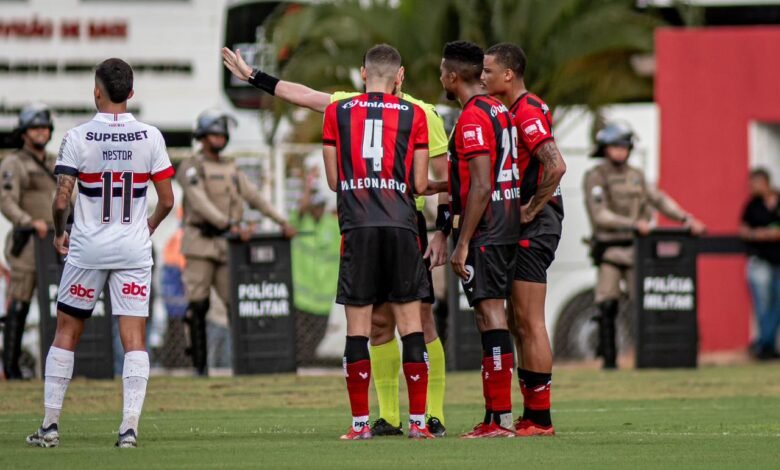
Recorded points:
(357, 370)
(497, 365)
(415, 366)
(536, 396)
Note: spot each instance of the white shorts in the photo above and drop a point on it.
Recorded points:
(128, 290)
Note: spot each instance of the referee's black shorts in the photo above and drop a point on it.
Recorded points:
(381, 264)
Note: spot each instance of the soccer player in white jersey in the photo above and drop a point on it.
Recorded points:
(113, 158)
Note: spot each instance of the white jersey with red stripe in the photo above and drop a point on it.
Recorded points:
(114, 157)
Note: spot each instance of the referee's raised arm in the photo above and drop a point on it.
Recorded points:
(291, 92)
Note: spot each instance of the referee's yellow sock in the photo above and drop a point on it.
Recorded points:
(385, 367)
(436, 369)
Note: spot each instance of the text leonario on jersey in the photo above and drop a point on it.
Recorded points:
(373, 183)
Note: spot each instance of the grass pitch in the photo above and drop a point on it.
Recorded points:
(714, 417)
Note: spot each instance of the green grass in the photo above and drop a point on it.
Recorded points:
(724, 417)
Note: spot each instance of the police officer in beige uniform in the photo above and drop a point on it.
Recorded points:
(26, 194)
(214, 194)
(620, 204)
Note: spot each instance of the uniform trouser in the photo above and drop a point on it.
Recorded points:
(607, 297)
(608, 283)
(21, 285)
(22, 267)
(200, 274)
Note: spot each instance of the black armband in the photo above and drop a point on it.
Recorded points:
(263, 81)
(443, 219)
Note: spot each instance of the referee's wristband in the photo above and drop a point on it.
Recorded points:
(263, 81)
(443, 219)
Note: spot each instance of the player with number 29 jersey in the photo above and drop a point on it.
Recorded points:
(114, 157)
(485, 128)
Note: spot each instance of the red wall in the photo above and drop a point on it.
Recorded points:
(710, 83)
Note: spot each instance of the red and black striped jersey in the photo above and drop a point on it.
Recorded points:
(534, 123)
(375, 135)
(485, 128)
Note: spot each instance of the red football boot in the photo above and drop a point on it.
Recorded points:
(483, 430)
(416, 433)
(352, 435)
(477, 431)
(527, 428)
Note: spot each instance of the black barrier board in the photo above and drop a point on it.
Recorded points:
(464, 343)
(261, 305)
(667, 326)
(95, 353)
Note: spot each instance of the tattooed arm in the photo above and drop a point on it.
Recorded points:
(65, 184)
(554, 168)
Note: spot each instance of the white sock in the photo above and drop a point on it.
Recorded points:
(358, 422)
(59, 370)
(505, 420)
(419, 420)
(135, 375)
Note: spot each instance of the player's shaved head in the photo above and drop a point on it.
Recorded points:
(382, 61)
(509, 56)
(464, 59)
(115, 78)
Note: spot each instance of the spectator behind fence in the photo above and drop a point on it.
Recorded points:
(315, 258)
(761, 228)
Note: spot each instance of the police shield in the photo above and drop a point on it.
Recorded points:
(667, 327)
(261, 300)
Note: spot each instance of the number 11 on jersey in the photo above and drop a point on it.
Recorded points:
(126, 193)
(372, 142)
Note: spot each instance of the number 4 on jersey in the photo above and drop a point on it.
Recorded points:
(372, 143)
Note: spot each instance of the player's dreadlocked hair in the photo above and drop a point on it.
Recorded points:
(465, 59)
(116, 78)
(510, 56)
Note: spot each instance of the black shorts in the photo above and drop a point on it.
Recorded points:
(490, 272)
(381, 264)
(422, 230)
(534, 257)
